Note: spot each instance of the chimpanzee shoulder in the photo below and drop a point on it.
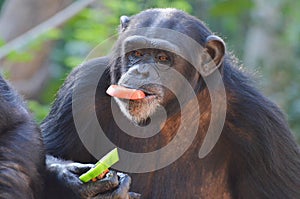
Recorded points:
(60, 122)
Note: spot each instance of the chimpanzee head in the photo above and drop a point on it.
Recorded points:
(154, 49)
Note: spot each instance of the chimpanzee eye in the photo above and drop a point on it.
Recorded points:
(135, 56)
(137, 53)
(162, 58)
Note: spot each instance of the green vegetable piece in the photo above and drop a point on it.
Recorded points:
(104, 163)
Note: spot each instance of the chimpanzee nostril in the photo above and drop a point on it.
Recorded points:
(144, 71)
(141, 70)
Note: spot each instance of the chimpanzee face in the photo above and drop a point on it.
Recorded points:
(149, 62)
(145, 69)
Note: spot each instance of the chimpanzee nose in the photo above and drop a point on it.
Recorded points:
(146, 72)
(141, 70)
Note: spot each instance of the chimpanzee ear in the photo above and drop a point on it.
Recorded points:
(213, 54)
(124, 21)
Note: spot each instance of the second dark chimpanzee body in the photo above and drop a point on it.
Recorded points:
(255, 157)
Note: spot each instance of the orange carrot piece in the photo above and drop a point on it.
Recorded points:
(125, 93)
(99, 177)
(102, 175)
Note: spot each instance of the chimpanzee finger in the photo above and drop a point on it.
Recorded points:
(123, 188)
(133, 195)
(78, 168)
(110, 182)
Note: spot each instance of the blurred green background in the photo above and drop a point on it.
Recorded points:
(264, 35)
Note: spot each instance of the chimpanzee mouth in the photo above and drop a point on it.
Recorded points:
(149, 99)
(140, 110)
(152, 91)
(149, 95)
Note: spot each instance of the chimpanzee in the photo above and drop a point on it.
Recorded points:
(255, 156)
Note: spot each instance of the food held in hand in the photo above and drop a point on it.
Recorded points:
(101, 166)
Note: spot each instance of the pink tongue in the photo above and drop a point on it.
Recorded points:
(125, 93)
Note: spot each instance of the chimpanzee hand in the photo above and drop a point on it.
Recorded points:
(115, 186)
(66, 174)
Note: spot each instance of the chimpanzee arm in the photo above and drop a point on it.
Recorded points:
(58, 129)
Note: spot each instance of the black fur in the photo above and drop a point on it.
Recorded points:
(255, 157)
(21, 149)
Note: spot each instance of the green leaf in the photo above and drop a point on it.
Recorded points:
(72, 61)
(21, 57)
(39, 111)
(182, 5)
(53, 34)
(230, 7)
(2, 42)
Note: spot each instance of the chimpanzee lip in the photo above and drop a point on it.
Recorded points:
(152, 94)
(148, 97)
(148, 94)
